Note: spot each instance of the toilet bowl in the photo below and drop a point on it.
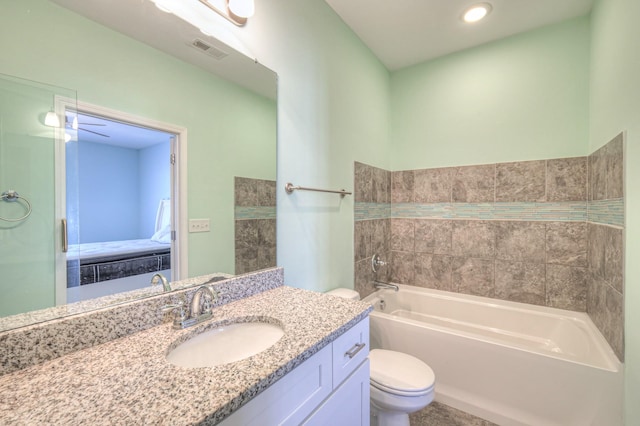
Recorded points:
(400, 384)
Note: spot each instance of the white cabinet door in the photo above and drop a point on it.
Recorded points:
(348, 405)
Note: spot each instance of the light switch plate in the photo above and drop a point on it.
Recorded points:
(198, 225)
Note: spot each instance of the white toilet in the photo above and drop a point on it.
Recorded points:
(400, 383)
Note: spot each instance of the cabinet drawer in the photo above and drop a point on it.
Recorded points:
(349, 350)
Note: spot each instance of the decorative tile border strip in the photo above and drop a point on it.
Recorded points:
(366, 211)
(257, 212)
(556, 212)
(607, 212)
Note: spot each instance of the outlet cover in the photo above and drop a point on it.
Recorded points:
(198, 225)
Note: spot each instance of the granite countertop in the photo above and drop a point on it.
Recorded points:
(129, 381)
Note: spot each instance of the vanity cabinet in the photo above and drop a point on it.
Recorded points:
(331, 387)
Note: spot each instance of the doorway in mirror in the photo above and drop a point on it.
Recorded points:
(119, 202)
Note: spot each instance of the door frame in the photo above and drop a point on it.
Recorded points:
(179, 222)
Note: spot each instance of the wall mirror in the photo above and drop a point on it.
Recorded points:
(132, 58)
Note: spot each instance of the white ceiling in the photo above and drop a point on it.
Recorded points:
(407, 32)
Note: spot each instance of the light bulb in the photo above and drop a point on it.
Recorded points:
(477, 12)
(163, 6)
(242, 8)
(52, 119)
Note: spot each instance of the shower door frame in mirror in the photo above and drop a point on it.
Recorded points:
(179, 242)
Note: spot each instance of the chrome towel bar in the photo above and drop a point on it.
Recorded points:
(289, 187)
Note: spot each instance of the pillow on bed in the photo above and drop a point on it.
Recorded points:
(163, 235)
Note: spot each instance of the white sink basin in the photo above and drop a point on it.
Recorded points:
(225, 344)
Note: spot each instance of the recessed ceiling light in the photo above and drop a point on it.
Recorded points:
(476, 12)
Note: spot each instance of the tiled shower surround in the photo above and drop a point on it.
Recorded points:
(255, 224)
(533, 232)
(605, 280)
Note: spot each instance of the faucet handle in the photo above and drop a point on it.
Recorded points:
(208, 302)
(377, 262)
(182, 316)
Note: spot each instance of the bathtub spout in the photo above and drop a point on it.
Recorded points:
(380, 284)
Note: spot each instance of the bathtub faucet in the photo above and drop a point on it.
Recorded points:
(380, 284)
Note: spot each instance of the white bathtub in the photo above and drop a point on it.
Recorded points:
(510, 363)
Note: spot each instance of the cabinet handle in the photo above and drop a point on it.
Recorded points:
(354, 350)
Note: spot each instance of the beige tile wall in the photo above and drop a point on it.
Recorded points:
(539, 262)
(255, 237)
(605, 278)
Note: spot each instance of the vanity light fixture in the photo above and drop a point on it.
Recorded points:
(163, 7)
(242, 8)
(234, 11)
(476, 12)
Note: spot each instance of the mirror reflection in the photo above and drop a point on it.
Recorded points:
(212, 210)
(118, 204)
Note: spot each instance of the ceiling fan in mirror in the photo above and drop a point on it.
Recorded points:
(72, 122)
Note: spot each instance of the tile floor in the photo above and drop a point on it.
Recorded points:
(436, 414)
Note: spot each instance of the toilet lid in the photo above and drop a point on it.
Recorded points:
(400, 373)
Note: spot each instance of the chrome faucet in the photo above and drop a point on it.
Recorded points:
(159, 277)
(380, 284)
(199, 308)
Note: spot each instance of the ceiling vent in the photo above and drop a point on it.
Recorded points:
(208, 49)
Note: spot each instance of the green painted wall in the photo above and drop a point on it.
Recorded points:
(615, 107)
(521, 98)
(41, 41)
(333, 109)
